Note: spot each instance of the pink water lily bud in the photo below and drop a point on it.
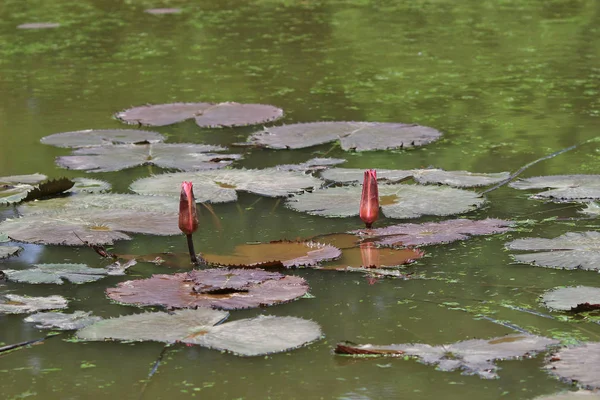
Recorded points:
(369, 201)
(188, 217)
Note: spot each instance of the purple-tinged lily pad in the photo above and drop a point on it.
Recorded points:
(397, 201)
(38, 25)
(472, 357)
(575, 299)
(564, 188)
(573, 250)
(162, 11)
(9, 251)
(177, 291)
(433, 232)
(358, 136)
(247, 337)
(185, 157)
(577, 365)
(314, 164)
(102, 137)
(220, 186)
(60, 321)
(56, 274)
(15, 304)
(207, 115)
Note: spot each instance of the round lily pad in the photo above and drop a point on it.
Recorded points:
(15, 304)
(220, 186)
(578, 298)
(102, 137)
(56, 273)
(358, 136)
(573, 250)
(314, 164)
(61, 321)
(564, 188)
(356, 175)
(185, 157)
(38, 25)
(397, 201)
(8, 251)
(177, 291)
(207, 115)
(577, 365)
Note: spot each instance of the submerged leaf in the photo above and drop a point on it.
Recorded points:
(102, 137)
(62, 321)
(579, 298)
(8, 251)
(577, 364)
(359, 136)
(56, 273)
(14, 304)
(564, 188)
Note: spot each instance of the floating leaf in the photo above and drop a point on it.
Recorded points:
(186, 157)
(177, 291)
(359, 136)
(221, 186)
(8, 251)
(88, 185)
(247, 337)
(314, 164)
(14, 304)
(397, 201)
(355, 175)
(577, 364)
(4, 238)
(102, 137)
(207, 115)
(281, 253)
(433, 232)
(473, 357)
(56, 273)
(579, 298)
(49, 188)
(573, 250)
(564, 188)
(62, 321)
(162, 11)
(592, 208)
(13, 189)
(578, 395)
(38, 25)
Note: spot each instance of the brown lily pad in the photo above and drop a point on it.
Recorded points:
(177, 291)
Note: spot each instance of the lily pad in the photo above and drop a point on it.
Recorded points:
(433, 232)
(356, 175)
(577, 365)
(564, 188)
(8, 251)
(186, 157)
(162, 11)
(314, 164)
(592, 208)
(578, 395)
(358, 136)
(397, 201)
(56, 273)
(38, 25)
(247, 337)
(207, 115)
(102, 137)
(62, 321)
(88, 185)
(15, 304)
(177, 291)
(221, 186)
(578, 298)
(14, 189)
(276, 254)
(573, 250)
(473, 357)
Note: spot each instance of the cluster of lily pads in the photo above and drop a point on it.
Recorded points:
(83, 212)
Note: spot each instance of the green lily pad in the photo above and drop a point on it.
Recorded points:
(102, 137)
(573, 250)
(578, 365)
(8, 251)
(185, 157)
(578, 298)
(15, 304)
(564, 188)
(221, 186)
(62, 321)
(56, 273)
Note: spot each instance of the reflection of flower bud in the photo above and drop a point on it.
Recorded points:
(369, 201)
(188, 218)
(370, 255)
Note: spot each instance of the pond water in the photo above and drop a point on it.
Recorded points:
(507, 82)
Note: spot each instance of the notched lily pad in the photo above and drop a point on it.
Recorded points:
(574, 299)
(207, 115)
(247, 337)
(102, 137)
(185, 157)
(358, 136)
(56, 273)
(276, 254)
(177, 291)
(473, 357)
(15, 304)
(573, 250)
(564, 188)
(87, 185)
(62, 321)
(14, 189)
(433, 232)
(577, 365)
(9, 251)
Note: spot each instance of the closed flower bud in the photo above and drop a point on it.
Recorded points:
(369, 201)
(188, 217)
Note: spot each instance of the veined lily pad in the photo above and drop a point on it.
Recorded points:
(577, 364)
(282, 253)
(579, 298)
(314, 164)
(8, 251)
(247, 337)
(177, 291)
(162, 11)
(564, 188)
(473, 357)
(221, 186)
(38, 25)
(62, 321)
(56, 273)
(573, 250)
(186, 157)
(359, 136)
(102, 137)
(14, 304)
(397, 201)
(433, 232)
(207, 115)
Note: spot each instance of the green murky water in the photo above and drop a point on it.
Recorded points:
(507, 81)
